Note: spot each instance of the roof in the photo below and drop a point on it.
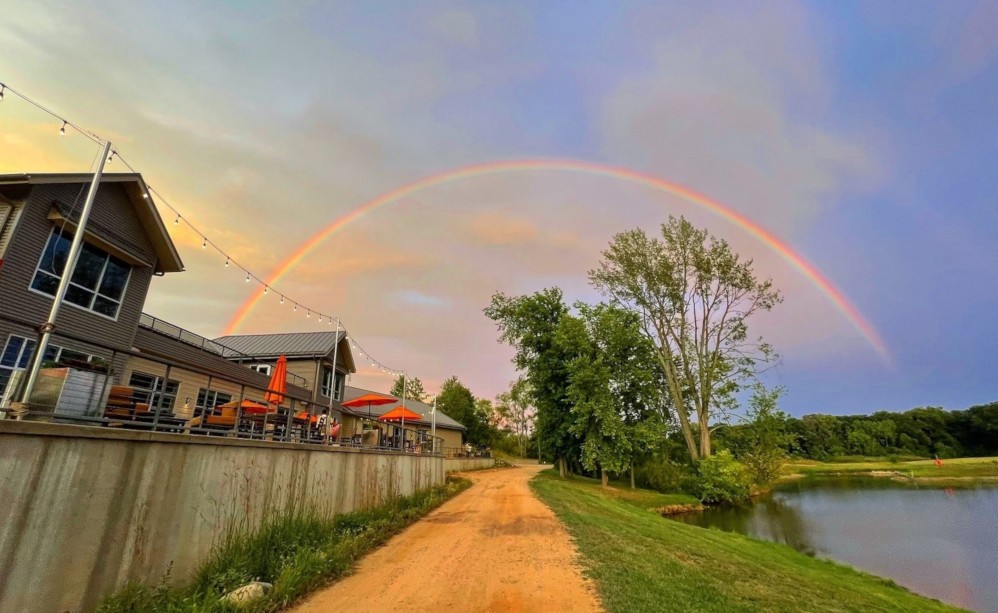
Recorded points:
(167, 256)
(291, 344)
(443, 420)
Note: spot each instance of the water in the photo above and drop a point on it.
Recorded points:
(941, 543)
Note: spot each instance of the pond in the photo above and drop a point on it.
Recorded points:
(941, 543)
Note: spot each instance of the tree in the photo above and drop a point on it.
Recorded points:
(515, 412)
(457, 402)
(694, 297)
(529, 324)
(413, 389)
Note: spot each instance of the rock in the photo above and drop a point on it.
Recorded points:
(248, 593)
(676, 509)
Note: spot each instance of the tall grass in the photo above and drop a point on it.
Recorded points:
(297, 551)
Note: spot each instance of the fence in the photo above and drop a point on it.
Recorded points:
(468, 451)
(83, 394)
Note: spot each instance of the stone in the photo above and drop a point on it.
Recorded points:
(248, 593)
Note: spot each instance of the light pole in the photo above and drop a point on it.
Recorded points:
(45, 331)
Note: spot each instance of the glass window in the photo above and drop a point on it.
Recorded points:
(211, 398)
(263, 368)
(17, 353)
(98, 281)
(327, 381)
(150, 390)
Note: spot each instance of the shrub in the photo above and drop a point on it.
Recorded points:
(663, 476)
(722, 479)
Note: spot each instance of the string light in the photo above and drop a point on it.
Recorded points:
(162, 200)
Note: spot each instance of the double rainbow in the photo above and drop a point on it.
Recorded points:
(792, 257)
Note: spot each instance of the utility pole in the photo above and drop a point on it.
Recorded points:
(433, 423)
(45, 331)
(404, 378)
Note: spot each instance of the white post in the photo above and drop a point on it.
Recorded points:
(333, 388)
(404, 377)
(433, 424)
(45, 331)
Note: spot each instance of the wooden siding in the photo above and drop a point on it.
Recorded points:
(114, 218)
(192, 358)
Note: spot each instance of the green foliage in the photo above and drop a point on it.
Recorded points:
(762, 443)
(663, 475)
(722, 479)
(413, 388)
(457, 402)
(297, 552)
(695, 297)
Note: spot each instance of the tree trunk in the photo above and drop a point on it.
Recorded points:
(632, 476)
(561, 467)
(704, 436)
(604, 479)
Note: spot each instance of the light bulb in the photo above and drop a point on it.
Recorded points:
(226, 261)
(110, 158)
(264, 289)
(2, 87)
(309, 314)
(176, 221)
(62, 130)
(296, 306)
(282, 299)
(145, 195)
(247, 277)
(204, 244)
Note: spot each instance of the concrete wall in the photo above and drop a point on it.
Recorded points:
(83, 510)
(459, 464)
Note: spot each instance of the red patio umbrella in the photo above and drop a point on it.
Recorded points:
(278, 382)
(401, 413)
(248, 407)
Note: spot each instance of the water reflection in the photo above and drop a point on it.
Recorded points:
(939, 542)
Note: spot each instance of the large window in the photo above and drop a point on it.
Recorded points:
(151, 390)
(98, 282)
(17, 353)
(262, 368)
(328, 383)
(211, 398)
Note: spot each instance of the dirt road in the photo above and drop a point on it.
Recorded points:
(494, 547)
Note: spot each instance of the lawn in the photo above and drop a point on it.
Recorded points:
(643, 562)
(958, 468)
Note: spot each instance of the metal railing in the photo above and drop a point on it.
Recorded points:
(91, 404)
(205, 344)
(467, 451)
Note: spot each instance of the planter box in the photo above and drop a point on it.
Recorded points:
(68, 392)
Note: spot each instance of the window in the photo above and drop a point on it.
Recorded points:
(327, 381)
(150, 390)
(340, 382)
(210, 398)
(17, 353)
(263, 368)
(98, 282)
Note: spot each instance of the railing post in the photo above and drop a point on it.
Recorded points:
(291, 416)
(239, 409)
(162, 395)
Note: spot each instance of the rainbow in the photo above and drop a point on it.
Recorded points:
(795, 259)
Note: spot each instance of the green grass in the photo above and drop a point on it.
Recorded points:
(297, 552)
(643, 562)
(958, 468)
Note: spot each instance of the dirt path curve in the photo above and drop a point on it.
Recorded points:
(494, 547)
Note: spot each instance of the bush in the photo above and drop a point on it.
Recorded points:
(663, 476)
(722, 479)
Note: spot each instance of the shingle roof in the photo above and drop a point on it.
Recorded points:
(443, 421)
(294, 344)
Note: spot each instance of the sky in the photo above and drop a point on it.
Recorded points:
(862, 135)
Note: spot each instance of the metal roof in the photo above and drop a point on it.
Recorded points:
(293, 344)
(443, 420)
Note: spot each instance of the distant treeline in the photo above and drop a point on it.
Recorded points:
(924, 432)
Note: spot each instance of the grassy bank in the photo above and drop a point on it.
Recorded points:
(297, 552)
(958, 469)
(642, 562)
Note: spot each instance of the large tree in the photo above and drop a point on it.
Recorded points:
(413, 388)
(695, 297)
(529, 324)
(457, 402)
(516, 412)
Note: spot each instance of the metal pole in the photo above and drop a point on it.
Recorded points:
(402, 442)
(45, 332)
(332, 392)
(433, 426)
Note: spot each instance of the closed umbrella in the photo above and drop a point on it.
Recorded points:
(278, 385)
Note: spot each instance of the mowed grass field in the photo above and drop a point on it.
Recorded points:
(957, 468)
(641, 561)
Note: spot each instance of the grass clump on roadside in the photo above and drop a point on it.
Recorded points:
(297, 552)
(642, 562)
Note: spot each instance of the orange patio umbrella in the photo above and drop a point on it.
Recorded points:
(248, 407)
(370, 400)
(401, 413)
(278, 382)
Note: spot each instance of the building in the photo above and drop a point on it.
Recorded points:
(448, 429)
(310, 357)
(126, 245)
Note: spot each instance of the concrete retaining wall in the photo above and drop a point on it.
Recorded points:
(459, 464)
(83, 510)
